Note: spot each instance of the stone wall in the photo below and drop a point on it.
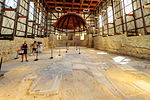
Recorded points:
(76, 41)
(90, 43)
(137, 46)
(8, 49)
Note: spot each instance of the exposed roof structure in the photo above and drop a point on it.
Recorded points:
(70, 21)
(73, 5)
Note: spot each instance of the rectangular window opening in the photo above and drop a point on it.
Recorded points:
(31, 11)
(100, 21)
(11, 3)
(110, 14)
(127, 5)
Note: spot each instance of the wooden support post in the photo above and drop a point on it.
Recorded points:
(2, 15)
(102, 25)
(33, 25)
(26, 28)
(96, 21)
(46, 24)
(38, 13)
(114, 24)
(41, 21)
(125, 18)
(121, 16)
(142, 13)
(50, 23)
(107, 19)
(16, 18)
(1, 63)
(134, 17)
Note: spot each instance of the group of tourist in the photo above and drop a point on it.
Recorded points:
(35, 46)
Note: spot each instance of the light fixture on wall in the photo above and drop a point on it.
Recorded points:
(86, 10)
(58, 8)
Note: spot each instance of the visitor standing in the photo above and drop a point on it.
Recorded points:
(24, 47)
(34, 47)
(41, 47)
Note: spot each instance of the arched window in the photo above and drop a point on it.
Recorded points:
(127, 5)
(31, 11)
(110, 14)
(11, 3)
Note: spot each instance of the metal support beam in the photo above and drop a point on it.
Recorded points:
(26, 28)
(2, 15)
(134, 17)
(142, 13)
(107, 18)
(16, 18)
(35, 17)
(121, 16)
(114, 22)
(38, 13)
(125, 18)
(46, 24)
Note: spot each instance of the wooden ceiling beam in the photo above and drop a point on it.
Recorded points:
(64, 3)
(54, 11)
(73, 3)
(55, 3)
(91, 1)
(99, 3)
(82, 1)
(73, 8)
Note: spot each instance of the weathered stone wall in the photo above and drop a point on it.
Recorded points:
(52, 41)
(8, 49)
(137, 46)
(76, 41)
(90, 43)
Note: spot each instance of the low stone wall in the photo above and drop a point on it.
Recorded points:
(76, 41)
(137, 46)
(8, 49)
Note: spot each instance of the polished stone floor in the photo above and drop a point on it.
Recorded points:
(91, 75)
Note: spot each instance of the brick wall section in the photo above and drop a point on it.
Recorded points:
(8, 48)
(137, 46)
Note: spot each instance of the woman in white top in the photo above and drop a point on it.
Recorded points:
(41, 47)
